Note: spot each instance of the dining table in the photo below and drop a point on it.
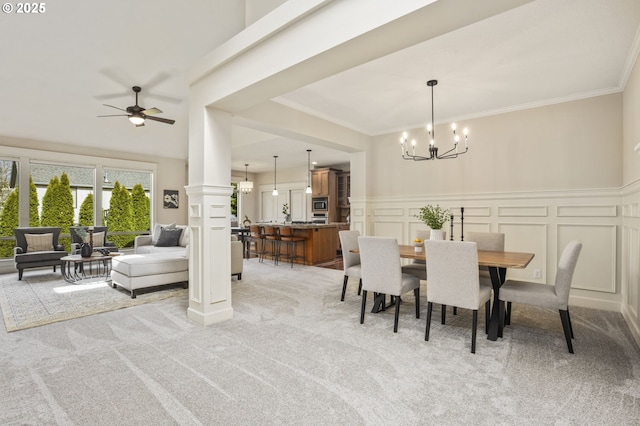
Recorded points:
(497, 262)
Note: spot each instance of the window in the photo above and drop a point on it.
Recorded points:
(8, 205)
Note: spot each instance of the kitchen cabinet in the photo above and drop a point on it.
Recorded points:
(323, 183)
(344, 188)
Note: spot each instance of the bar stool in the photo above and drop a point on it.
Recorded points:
(272, 234)
(255, 238)
(287, 236)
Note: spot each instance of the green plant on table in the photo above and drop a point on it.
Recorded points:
(285, 209)
(434, 216)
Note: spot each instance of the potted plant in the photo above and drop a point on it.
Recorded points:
(285, 212)
(434, 217)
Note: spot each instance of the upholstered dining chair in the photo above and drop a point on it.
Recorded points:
(546, 296)
(350, 261)
(487, 241)
(454, 280)
(418, 267)
(381, 273)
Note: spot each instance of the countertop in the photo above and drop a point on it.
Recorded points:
(306, 225)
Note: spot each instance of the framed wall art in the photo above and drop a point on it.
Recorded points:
(170, 199)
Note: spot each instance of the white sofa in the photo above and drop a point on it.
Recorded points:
(153, 266)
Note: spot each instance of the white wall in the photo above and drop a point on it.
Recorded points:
(630, 252)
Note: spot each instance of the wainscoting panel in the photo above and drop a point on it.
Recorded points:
(527, 238)
(522, 211)
(219, 269)
(538, 222)
(587, 211)
(389, 229)
(596, 268)
(632, 269)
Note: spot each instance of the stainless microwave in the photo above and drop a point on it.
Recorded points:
(320, 204)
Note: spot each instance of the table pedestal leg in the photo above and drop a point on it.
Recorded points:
(497, 278)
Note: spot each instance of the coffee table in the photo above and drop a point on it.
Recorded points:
(79, 270)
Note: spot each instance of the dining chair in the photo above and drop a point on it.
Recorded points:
(546, 296)
(454, 280)
(350, 261)
(381, 273)
(418, 267)
(486, 241)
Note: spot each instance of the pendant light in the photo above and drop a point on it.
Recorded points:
(308, 191)
(245, 186)
(275, 186)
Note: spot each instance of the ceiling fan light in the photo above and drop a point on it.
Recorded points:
(136, 119)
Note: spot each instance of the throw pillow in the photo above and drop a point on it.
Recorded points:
(98, 239)
(39, 242)
(184, 239)
(169, 237)
(156, 231)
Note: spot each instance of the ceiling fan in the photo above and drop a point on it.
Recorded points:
(137, 114)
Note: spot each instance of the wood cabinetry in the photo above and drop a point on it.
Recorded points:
(323, 183)
(344, 188)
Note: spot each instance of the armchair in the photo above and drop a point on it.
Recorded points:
(37, 247)
(99, 238)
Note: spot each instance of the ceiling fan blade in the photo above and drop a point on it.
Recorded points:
(111, 106)
(162, 120)
(114, 115)
(112, 96)
(151, 111)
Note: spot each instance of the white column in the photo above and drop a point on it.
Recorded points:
(208, 194)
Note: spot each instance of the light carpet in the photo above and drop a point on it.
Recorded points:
(43, 297)
(294, 354)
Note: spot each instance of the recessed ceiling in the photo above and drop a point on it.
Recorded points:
(61, 66)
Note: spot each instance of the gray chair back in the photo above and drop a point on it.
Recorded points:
(21, 241)
(380, 263)
(75, 238)
(349, 241)
(488, 241)
(453, 273)
(564, 275)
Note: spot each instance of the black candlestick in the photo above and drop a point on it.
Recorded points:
(451, 238)
(461, 223)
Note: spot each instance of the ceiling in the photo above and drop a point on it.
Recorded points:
(61, 66)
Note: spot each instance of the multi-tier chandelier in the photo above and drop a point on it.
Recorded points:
(245, 186)
(433, 149)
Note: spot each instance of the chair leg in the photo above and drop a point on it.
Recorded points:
(474, 330)
(570, 327)
(444, 312)
(566, 325)
(487, 314)
(364, 302)
(508, 319)
(397, 316)
(344, 287)
(359, 286)
(416, 293)
(426, 331)
(455, 310)
(500, 317)
(20, 271)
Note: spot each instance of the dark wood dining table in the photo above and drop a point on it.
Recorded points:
(497, 262)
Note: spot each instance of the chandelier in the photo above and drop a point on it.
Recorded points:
(433, 149)
(275, 185)
(246, 185)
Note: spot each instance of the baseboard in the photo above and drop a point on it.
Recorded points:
(588, 302)
(209, 317)
(633, 326)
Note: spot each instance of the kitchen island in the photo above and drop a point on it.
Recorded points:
(321, 241)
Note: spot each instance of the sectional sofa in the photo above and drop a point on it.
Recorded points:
(159, 261)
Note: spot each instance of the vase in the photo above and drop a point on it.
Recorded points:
(85, 250)
(287, 218)
(437, 234)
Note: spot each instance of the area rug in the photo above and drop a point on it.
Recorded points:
(43, 297)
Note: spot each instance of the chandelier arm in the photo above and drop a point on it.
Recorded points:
(447, 156)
